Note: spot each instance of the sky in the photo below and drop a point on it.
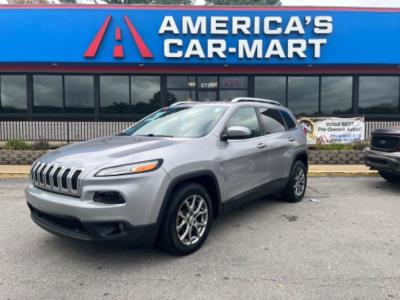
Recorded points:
(368, 3)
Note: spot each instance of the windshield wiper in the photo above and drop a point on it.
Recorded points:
(155, 135)
(122, 134)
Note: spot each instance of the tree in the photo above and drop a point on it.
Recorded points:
(244, 2)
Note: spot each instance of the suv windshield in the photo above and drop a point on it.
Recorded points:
(180, 121)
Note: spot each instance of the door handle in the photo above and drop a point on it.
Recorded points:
(261, 145)
(292, 139)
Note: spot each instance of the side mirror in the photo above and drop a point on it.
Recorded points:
(236, 133)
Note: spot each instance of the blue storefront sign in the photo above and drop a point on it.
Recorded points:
(200, 36)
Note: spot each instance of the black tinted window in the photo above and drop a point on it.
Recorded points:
(79, 92)
(303, 95)
(379, 95)
(114, 94)
(271, 87)
(13, 93)
(336, 94)
(246, 117)
(272, 121)
(47, 93)
(290, 123)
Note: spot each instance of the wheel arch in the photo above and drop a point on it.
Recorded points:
(303, 157)
(205, 178)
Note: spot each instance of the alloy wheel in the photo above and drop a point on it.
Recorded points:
(192, 220)
(299, 181)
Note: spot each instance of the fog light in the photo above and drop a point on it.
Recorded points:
(108, 198)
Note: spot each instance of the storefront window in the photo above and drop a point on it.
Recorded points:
(207, 82)
(336, 95)
(233, 82)
(181, 95)
(145, 94)
(181, 82)
(79, 92)
(13, 93)
(271, 87)
(379, 95)
(207, 96)
(47, 93)
(228, 95)
(114, 94)
(303, 95)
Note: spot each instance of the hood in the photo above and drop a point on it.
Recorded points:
(100, 152)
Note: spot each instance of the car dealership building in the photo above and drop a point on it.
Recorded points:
(103, 63)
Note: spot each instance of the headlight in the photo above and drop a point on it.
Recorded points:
(136, 168)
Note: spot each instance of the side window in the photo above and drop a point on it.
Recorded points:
(245, 117)
(271, 120)
(290, 123)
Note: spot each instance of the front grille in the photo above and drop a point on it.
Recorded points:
(56, 178)
(385, 143)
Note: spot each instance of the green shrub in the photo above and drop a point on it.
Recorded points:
(360, 145)
(41, 145)
(354, 146)
(17, 145)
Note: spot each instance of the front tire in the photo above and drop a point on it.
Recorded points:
(389, 176)
(297, 185)
(187, 220)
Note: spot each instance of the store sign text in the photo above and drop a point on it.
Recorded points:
(257, 38)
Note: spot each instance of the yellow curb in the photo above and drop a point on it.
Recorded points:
(13, 175)
(343, 174)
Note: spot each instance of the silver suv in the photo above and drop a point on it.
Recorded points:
(168, 176)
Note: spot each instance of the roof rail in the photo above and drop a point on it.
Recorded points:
(260, 100)
(184, 102)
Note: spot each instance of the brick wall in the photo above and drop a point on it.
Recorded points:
(335, 157)
(332, 157)
(20, 157)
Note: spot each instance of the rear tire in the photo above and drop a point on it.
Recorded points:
(187, 220)
(389, 176)
(297, 185)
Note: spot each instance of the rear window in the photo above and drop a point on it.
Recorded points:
(272, 121)
(290, 123)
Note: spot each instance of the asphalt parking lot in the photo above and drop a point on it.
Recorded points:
(341, 242)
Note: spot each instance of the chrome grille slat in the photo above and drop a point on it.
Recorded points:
(65, 174)
(55, 167)
(69, 179)
(44, 172)
(33, 171)
(55, 178)
(36, 179)
(57, 175)
(40, 174)
(59, 178)
(47, 178)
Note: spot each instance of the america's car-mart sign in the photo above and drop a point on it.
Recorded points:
(198, 36)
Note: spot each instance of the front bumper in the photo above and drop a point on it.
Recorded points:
(382, 160)
(116, 231)
(134, 221)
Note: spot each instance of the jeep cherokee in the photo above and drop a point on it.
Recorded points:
(168, 176)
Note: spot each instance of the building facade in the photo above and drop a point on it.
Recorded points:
(122, 62)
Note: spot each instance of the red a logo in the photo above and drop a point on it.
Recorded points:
(94, 46)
